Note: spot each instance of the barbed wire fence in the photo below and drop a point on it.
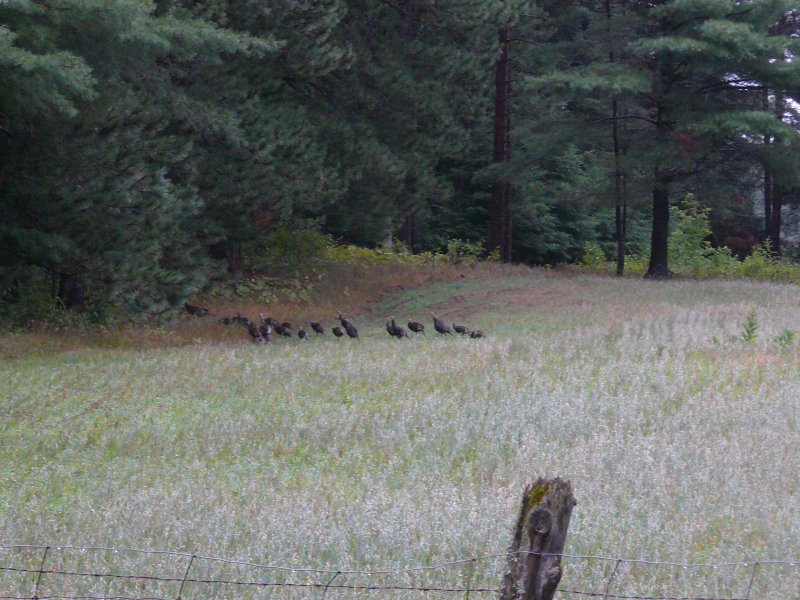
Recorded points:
(52, 572)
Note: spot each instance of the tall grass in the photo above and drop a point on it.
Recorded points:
(679, 438)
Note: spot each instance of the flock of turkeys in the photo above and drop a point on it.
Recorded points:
(268, 328)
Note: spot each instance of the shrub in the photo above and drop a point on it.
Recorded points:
(785, 339)
(749, 328)
(690, 251)
(287, 250)
(594, 259)
(460, 252)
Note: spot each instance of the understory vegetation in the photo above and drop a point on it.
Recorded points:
(671, 406)
(692, 253)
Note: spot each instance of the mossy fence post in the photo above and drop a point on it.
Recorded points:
(534, 561)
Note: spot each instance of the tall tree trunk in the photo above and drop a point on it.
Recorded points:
(775, 219)
(620, 205)
(767, 176)
(500, 209)
(507, 224)
(776, 208)
(768, 186)
(658, 267)
(619, 199)
(409, 234)
(72, 292)
(230, 251)
(659, 243)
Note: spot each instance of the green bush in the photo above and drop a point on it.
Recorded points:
(594, 259)
(287, 250)
(785, 339)
(463, 252)
(636, 264)
(749, 328)
(690, 251)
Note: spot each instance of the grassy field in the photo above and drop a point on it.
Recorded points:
(680, 440)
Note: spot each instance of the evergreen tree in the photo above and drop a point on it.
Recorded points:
(687, 72)
(96, 152)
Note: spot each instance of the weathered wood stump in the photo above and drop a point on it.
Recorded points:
(534, 561)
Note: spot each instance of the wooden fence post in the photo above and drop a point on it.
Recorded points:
(534, 561)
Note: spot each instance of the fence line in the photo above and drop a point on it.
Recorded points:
(790, 562)
(329, 579)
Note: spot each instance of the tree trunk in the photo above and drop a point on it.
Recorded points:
(775, 220)
(776, 199)
(499, 209)
(619, 200)
(620, 204)
(767, 175)
(767, 201)
(658, 268)
(507, 224)
(409, 234)
(72, 292)
(659, 241)
(230, 251)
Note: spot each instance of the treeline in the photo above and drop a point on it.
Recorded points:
(146, 146)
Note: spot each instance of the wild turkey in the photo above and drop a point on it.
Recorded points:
(396, 330)
(337, 331)
(240, 319)
(343, 321)
(281, 329)
(301, 333)
(195, 310)
(416, 327)
(265, 329)
(351, 330)
(389, 327)
(459, 329)
(254, 332)
(440, 326)
(317, 327)
(476, 334)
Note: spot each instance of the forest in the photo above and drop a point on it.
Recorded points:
(147, 148)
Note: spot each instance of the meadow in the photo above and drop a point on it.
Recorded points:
(676, 425)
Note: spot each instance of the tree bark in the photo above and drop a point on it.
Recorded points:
(230, 251)
(72, 292)
(500, 209)
(507, 224)
(409, 234)
(775, 220)
(776, 197)
(619, 199)
(658, 267)
(534, 561)
(620, 205)
(767, 176)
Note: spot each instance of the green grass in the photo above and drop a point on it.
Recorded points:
(340, 454)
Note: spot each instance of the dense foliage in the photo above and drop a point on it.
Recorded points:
(147, 148)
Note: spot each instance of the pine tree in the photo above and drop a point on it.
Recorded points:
(688, 72)
(96, 154)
